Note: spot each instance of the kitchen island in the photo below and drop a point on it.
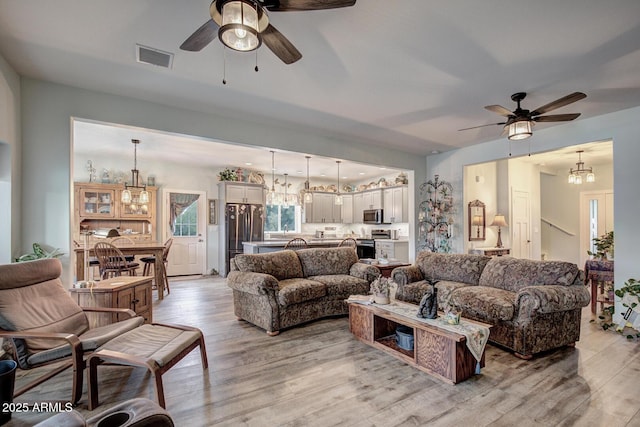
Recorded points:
(278, 245)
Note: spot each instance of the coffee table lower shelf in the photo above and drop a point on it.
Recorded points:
(438, 352)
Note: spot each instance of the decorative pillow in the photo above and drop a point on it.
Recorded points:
(326, 261)
(281, 265)
(513, 274)
(463, 268)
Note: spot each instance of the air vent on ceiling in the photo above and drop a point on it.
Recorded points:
(149, 55)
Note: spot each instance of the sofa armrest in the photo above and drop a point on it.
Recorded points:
(364, 271)
(252, 283)
(405, 275)
(551, 298)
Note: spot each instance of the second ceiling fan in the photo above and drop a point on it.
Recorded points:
(243, 25)
(519, 122)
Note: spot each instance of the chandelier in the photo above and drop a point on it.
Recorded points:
(575, 175)
(143, 197)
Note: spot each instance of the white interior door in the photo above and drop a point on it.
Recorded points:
(184, 219)
(596, 218)
(521, 224)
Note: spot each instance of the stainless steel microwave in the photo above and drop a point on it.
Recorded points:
(372, 216)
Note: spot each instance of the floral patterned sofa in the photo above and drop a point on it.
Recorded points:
(533, 305)
(281, 289)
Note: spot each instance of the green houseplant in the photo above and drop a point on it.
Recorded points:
(38, 253)
(228, 175)
(604, 246)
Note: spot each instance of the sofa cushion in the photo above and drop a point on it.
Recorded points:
(462, 268)
(326, 261)
(513, 274)
(343, 285)
(281, 264)
(446, 288)
(484, 303)
(414, 291)
(293, 291)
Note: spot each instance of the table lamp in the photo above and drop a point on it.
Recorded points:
(499, 221)
(478, 222)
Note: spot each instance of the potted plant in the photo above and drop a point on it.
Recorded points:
(381, 290)
(604, 246)
(228, 175)
(38, 253)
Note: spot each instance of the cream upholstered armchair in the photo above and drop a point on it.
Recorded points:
(42, 324)
(45, 325)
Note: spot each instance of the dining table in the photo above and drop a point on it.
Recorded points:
(137, 248)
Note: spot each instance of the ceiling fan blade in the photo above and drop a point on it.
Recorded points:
(201, 37)
(290, 5)
(557, 118)
(481, 126)
(499, 109)
(279, 45)
(565, 100)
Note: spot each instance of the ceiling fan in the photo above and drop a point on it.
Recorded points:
(520, 122)
(243, 25)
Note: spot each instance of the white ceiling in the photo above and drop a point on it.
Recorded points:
(402, 73)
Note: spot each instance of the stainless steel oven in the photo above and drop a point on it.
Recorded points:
(366, 248)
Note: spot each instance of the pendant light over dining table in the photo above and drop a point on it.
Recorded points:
(338, 198)
(308, 197)
(143, 197)
(271, 196)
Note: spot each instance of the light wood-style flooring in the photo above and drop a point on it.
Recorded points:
(319, 375)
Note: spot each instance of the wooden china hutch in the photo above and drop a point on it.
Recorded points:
(98, 207)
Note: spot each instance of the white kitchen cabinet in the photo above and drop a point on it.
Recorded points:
(323, 209)
(347, 209)
(392, 249)
(372, 199)
(365, 200)
(244, 193)
(395, 204)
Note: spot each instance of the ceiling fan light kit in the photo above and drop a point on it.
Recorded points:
(240, 24)
(520, 130)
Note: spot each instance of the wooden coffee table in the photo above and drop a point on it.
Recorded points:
(437, 351)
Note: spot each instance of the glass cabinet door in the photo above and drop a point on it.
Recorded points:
(97, 203)
(135, 209)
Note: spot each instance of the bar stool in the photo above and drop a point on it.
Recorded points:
(150, 261)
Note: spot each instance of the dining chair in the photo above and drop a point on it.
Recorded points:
(124, 240)
(112, 261)
(150, 261)
(93, 262)
(348, 242)
(296, 243)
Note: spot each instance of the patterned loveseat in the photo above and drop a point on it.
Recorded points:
(281, 289)
(533, 305)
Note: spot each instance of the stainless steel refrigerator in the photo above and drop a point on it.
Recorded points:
(243, 223)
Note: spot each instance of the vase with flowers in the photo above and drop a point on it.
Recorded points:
(381, 290)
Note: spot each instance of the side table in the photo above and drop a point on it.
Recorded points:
(597, 274)
(117, 292)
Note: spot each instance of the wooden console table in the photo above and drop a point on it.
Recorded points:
(129, 292)
(490, 251)
(437, 351)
